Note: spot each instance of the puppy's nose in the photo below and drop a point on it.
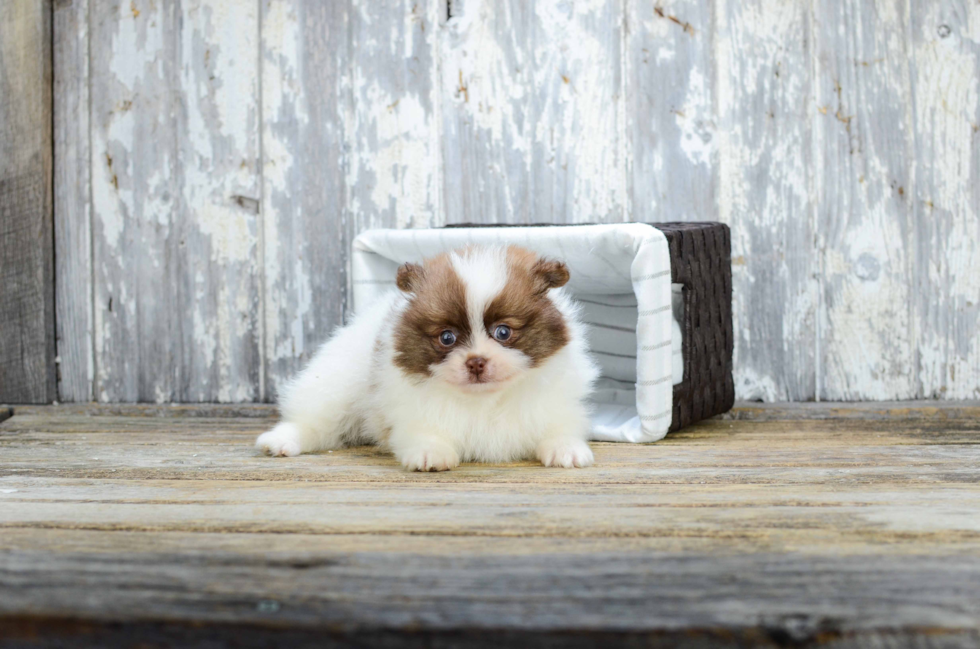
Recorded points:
(476, 365)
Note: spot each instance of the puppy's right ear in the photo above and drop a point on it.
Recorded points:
(409, 277)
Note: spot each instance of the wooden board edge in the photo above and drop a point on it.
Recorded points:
(788, 631)
(743, 411)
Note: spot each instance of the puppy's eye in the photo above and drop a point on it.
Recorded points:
(502, 333)
(447, 338)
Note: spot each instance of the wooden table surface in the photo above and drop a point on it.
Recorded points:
(798, 525)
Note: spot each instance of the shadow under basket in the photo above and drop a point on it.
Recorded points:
(656, 298)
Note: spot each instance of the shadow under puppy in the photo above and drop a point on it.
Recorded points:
(480, 357)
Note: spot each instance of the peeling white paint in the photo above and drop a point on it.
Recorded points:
(764, 196)
(544, 111)
(945, 82)
(695, 122)
(485, 98)
(577, 112)
(219, 149)
(404, 177)
(864, 129)
(394, 170)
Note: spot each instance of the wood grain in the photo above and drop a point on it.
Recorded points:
(863, 169)
(671, 118)
(395, 172)
(175, 195)
(219, 287)
(578, 148)
(27, 312)
(844, 532)
(945, 205)
(763, 55)
(73, 201)
(838, 140)
(305, 76)
(488, 126)
(135, 193)
(744, 411)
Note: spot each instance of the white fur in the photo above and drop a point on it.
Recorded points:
(484, 272)
(352, 392)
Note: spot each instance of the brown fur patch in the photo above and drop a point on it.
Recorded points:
(409, 276)
(539, 329)
(438, 303)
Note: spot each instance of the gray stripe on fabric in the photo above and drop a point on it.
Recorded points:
(663, 379)
(594, 351)
(623, 381)
(662, 273)
(612, 306)
(661, 415)
(655, 311)
(650, 348)
(613, 327)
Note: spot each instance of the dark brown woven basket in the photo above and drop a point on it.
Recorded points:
(701, 261)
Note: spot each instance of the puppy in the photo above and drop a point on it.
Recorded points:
(477, 358)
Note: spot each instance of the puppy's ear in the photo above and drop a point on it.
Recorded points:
(409, 277)
(550, 274)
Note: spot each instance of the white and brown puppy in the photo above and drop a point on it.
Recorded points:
(476, 359)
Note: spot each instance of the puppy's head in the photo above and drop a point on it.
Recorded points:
(478, 318)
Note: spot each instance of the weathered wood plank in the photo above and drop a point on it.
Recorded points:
(896, 410)
(305, 82)
(176, 195)
(72, 202)
(219, 327)
(823, 518)
(863, 173)
(910, 411)
(797, 630)
(195, 410)
(486, 91)
(845, 162)
(533, 107)
(578, 143)
(27, 328)
(135, 192)
(945, 65)
(394, 179)
(277, 548)
(848, 532)
(763, 58)
(808, 597)
(671, 121)
(802, 453)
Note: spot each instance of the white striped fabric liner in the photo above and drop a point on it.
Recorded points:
(620, 274)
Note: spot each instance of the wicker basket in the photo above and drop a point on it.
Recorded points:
(701, 261)
(699, 267)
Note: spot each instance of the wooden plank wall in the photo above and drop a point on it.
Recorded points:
(207, 197)
(27, 351)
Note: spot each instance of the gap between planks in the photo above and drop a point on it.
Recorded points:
(742, 411)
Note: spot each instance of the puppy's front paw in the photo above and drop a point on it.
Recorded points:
(566, 453)
(282, 441)
(430, 458)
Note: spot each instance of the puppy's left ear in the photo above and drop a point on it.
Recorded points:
(550, 274)
(409, 277)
